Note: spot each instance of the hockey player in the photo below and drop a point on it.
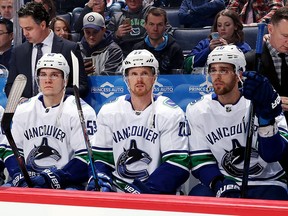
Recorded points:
(141, 142)
(48, 133)
(6, 154)
(219, 128)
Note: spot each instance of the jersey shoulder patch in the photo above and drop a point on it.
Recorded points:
(168, 102)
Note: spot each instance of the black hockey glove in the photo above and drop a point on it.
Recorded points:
(50, 178)
(226, 188)
(2, 175)
(104, 181)
(266, 100)
(137, 187)
(19, 181)
(2, 178)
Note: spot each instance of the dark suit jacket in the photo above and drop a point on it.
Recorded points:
(267, 69)
(20, 63)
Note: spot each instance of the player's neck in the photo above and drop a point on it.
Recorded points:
(230, 98)
(51, 101)
(140, 103)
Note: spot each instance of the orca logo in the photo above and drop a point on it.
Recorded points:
(130, 157)
(232, 161)
(41, 152)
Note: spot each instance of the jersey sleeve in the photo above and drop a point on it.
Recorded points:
(174, 141)
(77, 139)
(203, 163)
(102, 145)
(174, 168)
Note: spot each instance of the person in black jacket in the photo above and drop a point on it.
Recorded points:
(275, 47)
(163, 46)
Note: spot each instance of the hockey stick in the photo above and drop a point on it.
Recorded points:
(12, 102)
(81, 116)
(249, 138)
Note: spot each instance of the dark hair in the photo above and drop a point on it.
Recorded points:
(59, 18)
(156, 11)
(8, 24)
(51, 7)
(36, 10)
(238, 35)
(281, 13)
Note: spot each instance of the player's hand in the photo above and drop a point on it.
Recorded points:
(137, 187)
(266, 100)
(227, 188)
(123, 30)
(49, 178)
(104, 182)
(19, 181)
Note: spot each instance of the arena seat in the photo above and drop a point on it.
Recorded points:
(188, 38)
(75, 15)
(67, 17)
(76, 36)
(172, 16)
(250, 35)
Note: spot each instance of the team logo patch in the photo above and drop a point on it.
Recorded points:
(44, 151)
(90, 18)
(130, 157)
(233, 160)
(170, 103)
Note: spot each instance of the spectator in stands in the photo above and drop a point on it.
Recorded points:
(6, 9)
(199, 13)
(230, 30)
(274, 49)
(255, 11)
(218, 124)
(97, 6)
(101, 54)
(6, 38)
(128, 25)
(162, 45)
(34, 21)
(49, 6)
(61, 27)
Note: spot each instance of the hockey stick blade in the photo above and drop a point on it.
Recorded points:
(12, 102)
(86, 137)
(75, 65)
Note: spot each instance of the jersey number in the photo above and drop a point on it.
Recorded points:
(91, 127)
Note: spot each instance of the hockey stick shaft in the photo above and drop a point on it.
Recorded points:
(75, 64)
(12, 102)
(86, 137)
(249, 138)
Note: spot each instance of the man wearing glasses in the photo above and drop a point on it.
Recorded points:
(102, 56)
(6, 38)
(48, 133)
(141, 142)
(219, 127)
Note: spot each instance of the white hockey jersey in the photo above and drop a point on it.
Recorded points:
(51, 137)
(136, 143)
(218, 136)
